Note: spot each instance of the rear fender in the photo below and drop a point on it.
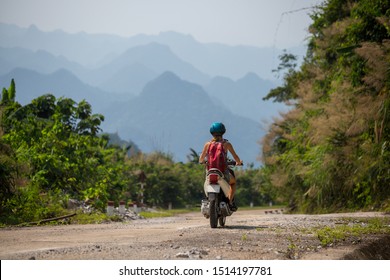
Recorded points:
(222, 184)
(209, 188)
(212, 196)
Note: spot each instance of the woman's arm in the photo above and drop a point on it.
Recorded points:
(230, 148)
(204, 152)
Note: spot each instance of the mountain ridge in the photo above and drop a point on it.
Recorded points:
(31, 84)
(155, 57)
(213, 59)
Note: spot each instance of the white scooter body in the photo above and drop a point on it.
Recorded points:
(212, 191)
(216, 188)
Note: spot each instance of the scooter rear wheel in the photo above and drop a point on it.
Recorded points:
(213, 214)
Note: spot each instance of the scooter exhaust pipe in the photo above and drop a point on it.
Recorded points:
(225, 209)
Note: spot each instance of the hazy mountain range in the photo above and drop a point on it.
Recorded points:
(93, 50)
(161, 92)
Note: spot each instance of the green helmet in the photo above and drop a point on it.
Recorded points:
(217, 128)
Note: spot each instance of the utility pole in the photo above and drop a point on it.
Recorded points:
(141, 179)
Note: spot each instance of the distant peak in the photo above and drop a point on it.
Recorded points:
(168, 84)
(65, 74)
(250, 76)
(175, 34)
(169, 75)
(33, 27)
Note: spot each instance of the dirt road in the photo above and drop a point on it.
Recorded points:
(247, 235)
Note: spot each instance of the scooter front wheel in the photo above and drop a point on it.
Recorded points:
(222, 221)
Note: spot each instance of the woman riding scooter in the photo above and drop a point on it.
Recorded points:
(217, 130)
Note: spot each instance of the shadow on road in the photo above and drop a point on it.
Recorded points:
(243, 227)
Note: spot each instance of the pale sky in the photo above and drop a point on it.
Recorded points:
(233, 22)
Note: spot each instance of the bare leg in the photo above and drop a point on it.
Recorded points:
(232, 189)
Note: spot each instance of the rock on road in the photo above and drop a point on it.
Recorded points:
(248, 234)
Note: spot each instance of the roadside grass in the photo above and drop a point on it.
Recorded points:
(352, 228)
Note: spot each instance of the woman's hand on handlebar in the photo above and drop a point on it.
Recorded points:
(236, 163)
(230, 162)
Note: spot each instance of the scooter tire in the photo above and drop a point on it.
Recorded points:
(222, 221)
(213, 213)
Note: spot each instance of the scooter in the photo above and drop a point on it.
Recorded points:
(216, 206)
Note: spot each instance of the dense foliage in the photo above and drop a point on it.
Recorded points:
(331, 152)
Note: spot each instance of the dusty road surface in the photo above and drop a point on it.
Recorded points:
(248, 234)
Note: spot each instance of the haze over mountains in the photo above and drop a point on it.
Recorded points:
(162, 91)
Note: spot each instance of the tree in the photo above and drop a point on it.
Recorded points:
(12, 91)
(88, 123)
(193, 157)
(290, 76)
(8, 96)
(57, 143)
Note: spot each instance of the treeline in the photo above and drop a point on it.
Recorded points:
(331, 151)
(52, 150)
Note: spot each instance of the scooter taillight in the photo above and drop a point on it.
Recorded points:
(213, 178)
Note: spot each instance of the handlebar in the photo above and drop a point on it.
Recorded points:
(233, 162)
(229, 162)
